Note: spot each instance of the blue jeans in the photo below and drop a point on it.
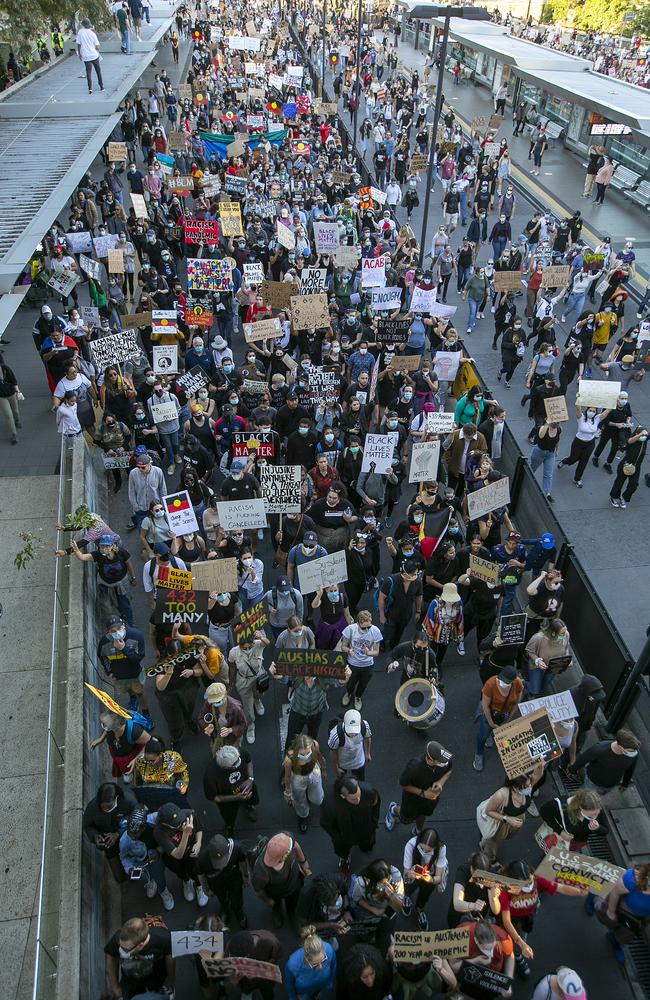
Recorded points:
(463, 207)
(464, 274)
(473, 305)
(482, 734)
(546, 458)
(170, 444)
(123, 606)
(508, 599)
(246, 600)
(126, 41)
(535, 682)
(575, 301)
(498, 246)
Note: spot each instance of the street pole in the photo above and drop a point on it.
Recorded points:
(322, 79)
(358, 81)
(432, 149)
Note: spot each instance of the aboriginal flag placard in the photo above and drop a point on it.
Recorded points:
(180, 514)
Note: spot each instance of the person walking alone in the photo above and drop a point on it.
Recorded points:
(88, 50)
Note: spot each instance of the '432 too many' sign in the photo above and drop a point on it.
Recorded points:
(181, 607)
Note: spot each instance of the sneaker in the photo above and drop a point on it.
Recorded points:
(479, 315)
(201, 896)
(390, 819)
(607, 467)
(250, 733)
(478, 763)
(260, 534)
(167, 899)
(619, 954)
(151, 889)
(423, 920)
(595, 461)
(461, 648)
(171, 469)
(563, 318)
(507, 385)
(493, 309)
(560, 465)
(357, 704)
(490, 742)
(188, 890)
(550, 498)
(407, 906)
(532, 810)
(345, 700)
(259, 707)
(622, 503)
(499, 374)
(579, 483)
(468, 330)
(615, 502)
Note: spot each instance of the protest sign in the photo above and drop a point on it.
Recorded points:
(256, 443)
(492, 880)
(440, 310)
(192, 942)
(512, 629)
(446, 364)
(230, 217)
(198, 314)
(573, 868)
(556, 411)
(507, 281)
(235, 184)
(285, 237)
(373, 271)
(137, 319)
(181, 185)
(163, 321)
(79, 242)
(560, 707)
(263, 329)
(215, 575)
(440, 422)
(165, 359)
(103, 244)
(392, 331)
(326, 108)
(281, 488)
(495, 122)
(139, 206)
(422, 946)
(341, 177)
(325, 383)
(483, 569)
(386, 299)
(254, 272)
(480, 123)
(488, 498)
(322, 572)
(201, 230)
(116, 461)
(185, 91)
(63, 282)
(405, 362)
(310, 663)
(491, 150)
(109, 702)
(209, 275)
(378, 453)
(117, 152)
(313, 280)
(255, 387)
(422, 299)
(180, 514)
(116, 262)
(175, 141)
(523, 741)
(162, 412)
(425, 456)
(290, 362)
(598, 392)
(174, 579)
(240, 968)
(275, 80)
(309, 311)
(347, 257)
(483, 981)
(278, 294)
(555, 276)
(192, 381)
(326, 236)
(419, 161)
(92, 267)
(180, 607)
(250, 621)
(89, 315)
(115, 349)
(248, 515)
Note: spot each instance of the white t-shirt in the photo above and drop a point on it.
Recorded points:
(88, 43)
(412, 855)
(351, 754)
(360, 642)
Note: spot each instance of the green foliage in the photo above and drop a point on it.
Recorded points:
(598, 15)
(27, 553)
(22, 22)
(80, 520)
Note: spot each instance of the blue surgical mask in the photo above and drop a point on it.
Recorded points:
(303, 430)
(333, 595)
(407, 396)
(119, 634)
(393, 423)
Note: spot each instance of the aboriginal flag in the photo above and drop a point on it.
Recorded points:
(177, 502)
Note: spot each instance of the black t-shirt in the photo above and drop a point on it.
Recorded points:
(216, 876)
(146, 970)
(472, 893)
(484, 599)
(225, 780)
(121, 745)
(546, 603)
(111, 570)
(400, 604)
(418, 773)
(244, 489)
(331, 612)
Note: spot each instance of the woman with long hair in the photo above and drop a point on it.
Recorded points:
(425, 870)
(304, 769)
(506, 809)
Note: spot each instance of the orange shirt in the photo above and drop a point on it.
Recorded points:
(500, 702)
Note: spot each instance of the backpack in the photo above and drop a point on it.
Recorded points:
(152, 565)
(137, 720)
(340, 730)
(256, 852)
(389, 596)
(274, 598)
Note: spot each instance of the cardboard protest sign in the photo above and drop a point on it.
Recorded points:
(405, 363)
(180, 514)
(240, 968)
(215, 575)
(165, 359)
(92, 267)
(491, 150)
(180, 607)
(89, 315)
(115, 349)
(285, 236)
(248, 515)
(480, 123)
(209, 275)
(322, 572)
(116, 262)
(573, 868)
(392, 331)
(490, 880)
(512, 629)
(79, 242)
(309, 311)
(598, 392)
(495, 122)
(174, 579)
(556, 276)
(137, 319)
(483, 569)
(440, 422)
(109, 702)
(373, 271)
(326, 236)
(201, 230)
(192, 942)
(192, 381)
(386, 299)
(198, 314)
(63, 282)
(278, 294)
(422, 946)
(139, 206)
(313, 280)
(488, 498)
(560, 707)
(347, 257)
(425, 457)
(556, 411)
(116, 152)
(281, 488)
(256, 443)
(310, 663)
(419, 162)
(162, 412)
(176, 141)
(254, 272)
(185, 91)
(446, 364)
(181, 185)
(422, 299)
(230, 218)
(263, 329)
(378, 453)
(507, 281)
(250, 621)
(523, 741)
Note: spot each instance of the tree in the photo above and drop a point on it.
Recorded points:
(22, 23)
(598, 15)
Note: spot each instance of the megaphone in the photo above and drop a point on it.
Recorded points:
(420, 703)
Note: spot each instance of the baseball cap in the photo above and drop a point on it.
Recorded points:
(238, 466)
(352, 722)
(514, 536)
(508, 674)
(283, 583)
(107, 539)
(437, 753)
(171, 815)
(548, 540)
(113, 620)
(310, 538)
(219, 851)
(161, 549)
(571, 984)
(216, 694)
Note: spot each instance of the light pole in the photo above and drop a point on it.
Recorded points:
(322, 78)
(426, 11)
(357, 85)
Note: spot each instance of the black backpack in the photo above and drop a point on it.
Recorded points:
(274, 598)
(340, 730)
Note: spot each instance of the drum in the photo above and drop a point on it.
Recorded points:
(420, 703)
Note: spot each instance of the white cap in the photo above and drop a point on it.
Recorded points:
(352, 722)
(571, 984)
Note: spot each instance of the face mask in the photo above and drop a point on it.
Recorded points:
(363, 350)
(407, 396)
(502, 684)
(296, 633)
(247, 562)
(151, 379)
(119, 634)
(303, 430)
(227, 368)
(630, 753)
(417, 518)
(329, 438)
(234, 401)
(223, 598)
(354, 448)
(527, 791)
(553, 586)
(392, 423)
(591, 413)
(308, 549)
(159, 514)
